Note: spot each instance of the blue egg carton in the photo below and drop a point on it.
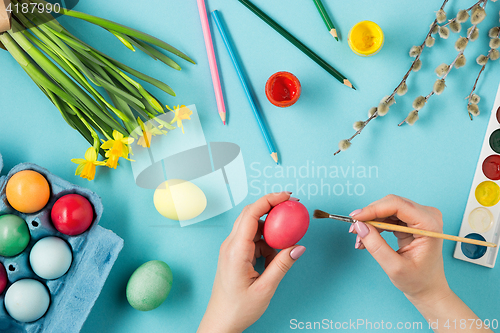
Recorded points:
(73, 295)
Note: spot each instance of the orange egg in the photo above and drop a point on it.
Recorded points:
(27, 191)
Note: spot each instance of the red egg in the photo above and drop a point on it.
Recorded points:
(72, 214)
(3, 278)
(286, 224)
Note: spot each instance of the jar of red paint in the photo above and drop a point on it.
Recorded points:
(283, 89)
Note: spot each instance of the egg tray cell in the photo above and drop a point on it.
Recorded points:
(94, 253)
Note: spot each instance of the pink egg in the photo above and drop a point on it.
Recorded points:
(286, 224)
(3, 278)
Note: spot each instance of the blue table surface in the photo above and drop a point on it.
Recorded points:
(432, 163)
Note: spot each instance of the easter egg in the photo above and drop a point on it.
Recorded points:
(27, 300)
(179, 200)
(27, 191)
(50, 258)
(149, 285)
(14, 235)
(72, 214)
(3, 278)
(286, 224)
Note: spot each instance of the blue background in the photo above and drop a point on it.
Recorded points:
(432, 163)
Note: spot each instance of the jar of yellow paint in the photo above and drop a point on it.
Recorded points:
(365, 38)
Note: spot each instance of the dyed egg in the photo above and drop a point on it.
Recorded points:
(149, 285)
(14, 235)
(27, 191)
(179, 200)
(27, 300)
(286, 224)
(72, 214)
(50, 258)
(3, 278)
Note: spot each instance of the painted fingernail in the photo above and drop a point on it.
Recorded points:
(351, 228)
(294, 199)
(362, 229)
(358, 242)
(297, 252)
(287, 192)
(356, 212)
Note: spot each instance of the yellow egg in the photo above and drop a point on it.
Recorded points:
(180, 200)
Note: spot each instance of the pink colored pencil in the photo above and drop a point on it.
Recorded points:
(211, 60)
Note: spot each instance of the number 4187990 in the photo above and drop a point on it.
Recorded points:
(32, 8)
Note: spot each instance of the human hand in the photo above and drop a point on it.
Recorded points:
(240, 295)
(417, 267)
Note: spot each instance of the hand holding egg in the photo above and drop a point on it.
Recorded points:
(286, 224)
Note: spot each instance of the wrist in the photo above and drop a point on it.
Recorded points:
(216, 320)
(426, 301)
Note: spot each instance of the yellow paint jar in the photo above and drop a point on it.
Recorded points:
(488, 193)
(365, 38)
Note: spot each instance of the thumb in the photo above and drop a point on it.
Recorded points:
(387, 258)
(280, 265)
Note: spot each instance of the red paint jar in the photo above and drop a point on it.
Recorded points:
(491, 167)
(283, 89)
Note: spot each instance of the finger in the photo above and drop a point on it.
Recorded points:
(413, 214)
(278, 267)
(260, 231)
(264, 250)
(248, 224)
(378, 247)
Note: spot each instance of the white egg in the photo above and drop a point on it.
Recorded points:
(50, 258)
(27, 300)
(179, 200)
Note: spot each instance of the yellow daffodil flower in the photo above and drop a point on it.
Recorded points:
(116, 148)
(86, 166)
(181, 113)
(147, 132)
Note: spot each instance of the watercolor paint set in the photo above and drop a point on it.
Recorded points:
(68, 298)
(481, 220)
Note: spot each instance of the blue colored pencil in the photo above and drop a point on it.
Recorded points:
(256, 112)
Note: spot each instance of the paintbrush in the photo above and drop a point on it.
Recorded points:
(319, 214)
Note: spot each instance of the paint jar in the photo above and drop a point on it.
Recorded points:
(365, 38)
(283, 89)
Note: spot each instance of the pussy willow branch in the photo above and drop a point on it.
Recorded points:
(450, 67)
(422, 46)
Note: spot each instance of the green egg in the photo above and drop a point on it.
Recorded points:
(14, 235)
(149, 285)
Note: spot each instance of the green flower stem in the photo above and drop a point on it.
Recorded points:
(123, 39)
(155, 54)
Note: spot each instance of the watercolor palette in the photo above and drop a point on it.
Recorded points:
(481, 219)
(94, 252)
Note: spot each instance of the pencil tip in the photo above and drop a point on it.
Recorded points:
(333, 32)
(349, 84)
(224, 122)
(223, 117)
(274, 156)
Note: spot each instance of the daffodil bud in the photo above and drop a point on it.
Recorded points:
(444, 32)
(344, 145)
(429, 41)
(372, 111)
(478, 15)
(494, 54)
(474, 99)
(441, 16)
(439, 86)
(455, 26)
(462, 16)
(494, 32)
(473, 109)
(495, 43)
(461, 60)
(461, 44)
(482, 60)
(419, 102)
(412, 117)
(415, 51)
(402, 89)
(442, 69)
(382, 109)
(358, 125)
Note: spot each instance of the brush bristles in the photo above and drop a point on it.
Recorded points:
(319, 214)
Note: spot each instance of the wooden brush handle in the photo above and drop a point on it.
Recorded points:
(394, 227)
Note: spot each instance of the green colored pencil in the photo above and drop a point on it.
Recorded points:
(326, 18)
(307, 51)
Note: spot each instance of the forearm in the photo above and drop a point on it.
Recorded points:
(449, 314)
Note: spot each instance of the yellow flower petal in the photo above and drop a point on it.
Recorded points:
(90, 154)
(78, 160)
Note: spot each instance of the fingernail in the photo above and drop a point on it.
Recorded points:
(362, 229)
(294, 199)
(351, 228)
(356, 212)
(297, 252)
(287, 192)
(358, 242)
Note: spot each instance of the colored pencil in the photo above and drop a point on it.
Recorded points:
(212, 60)
(307, 51)
(318, 214)
(246, 88)
(326, 18)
